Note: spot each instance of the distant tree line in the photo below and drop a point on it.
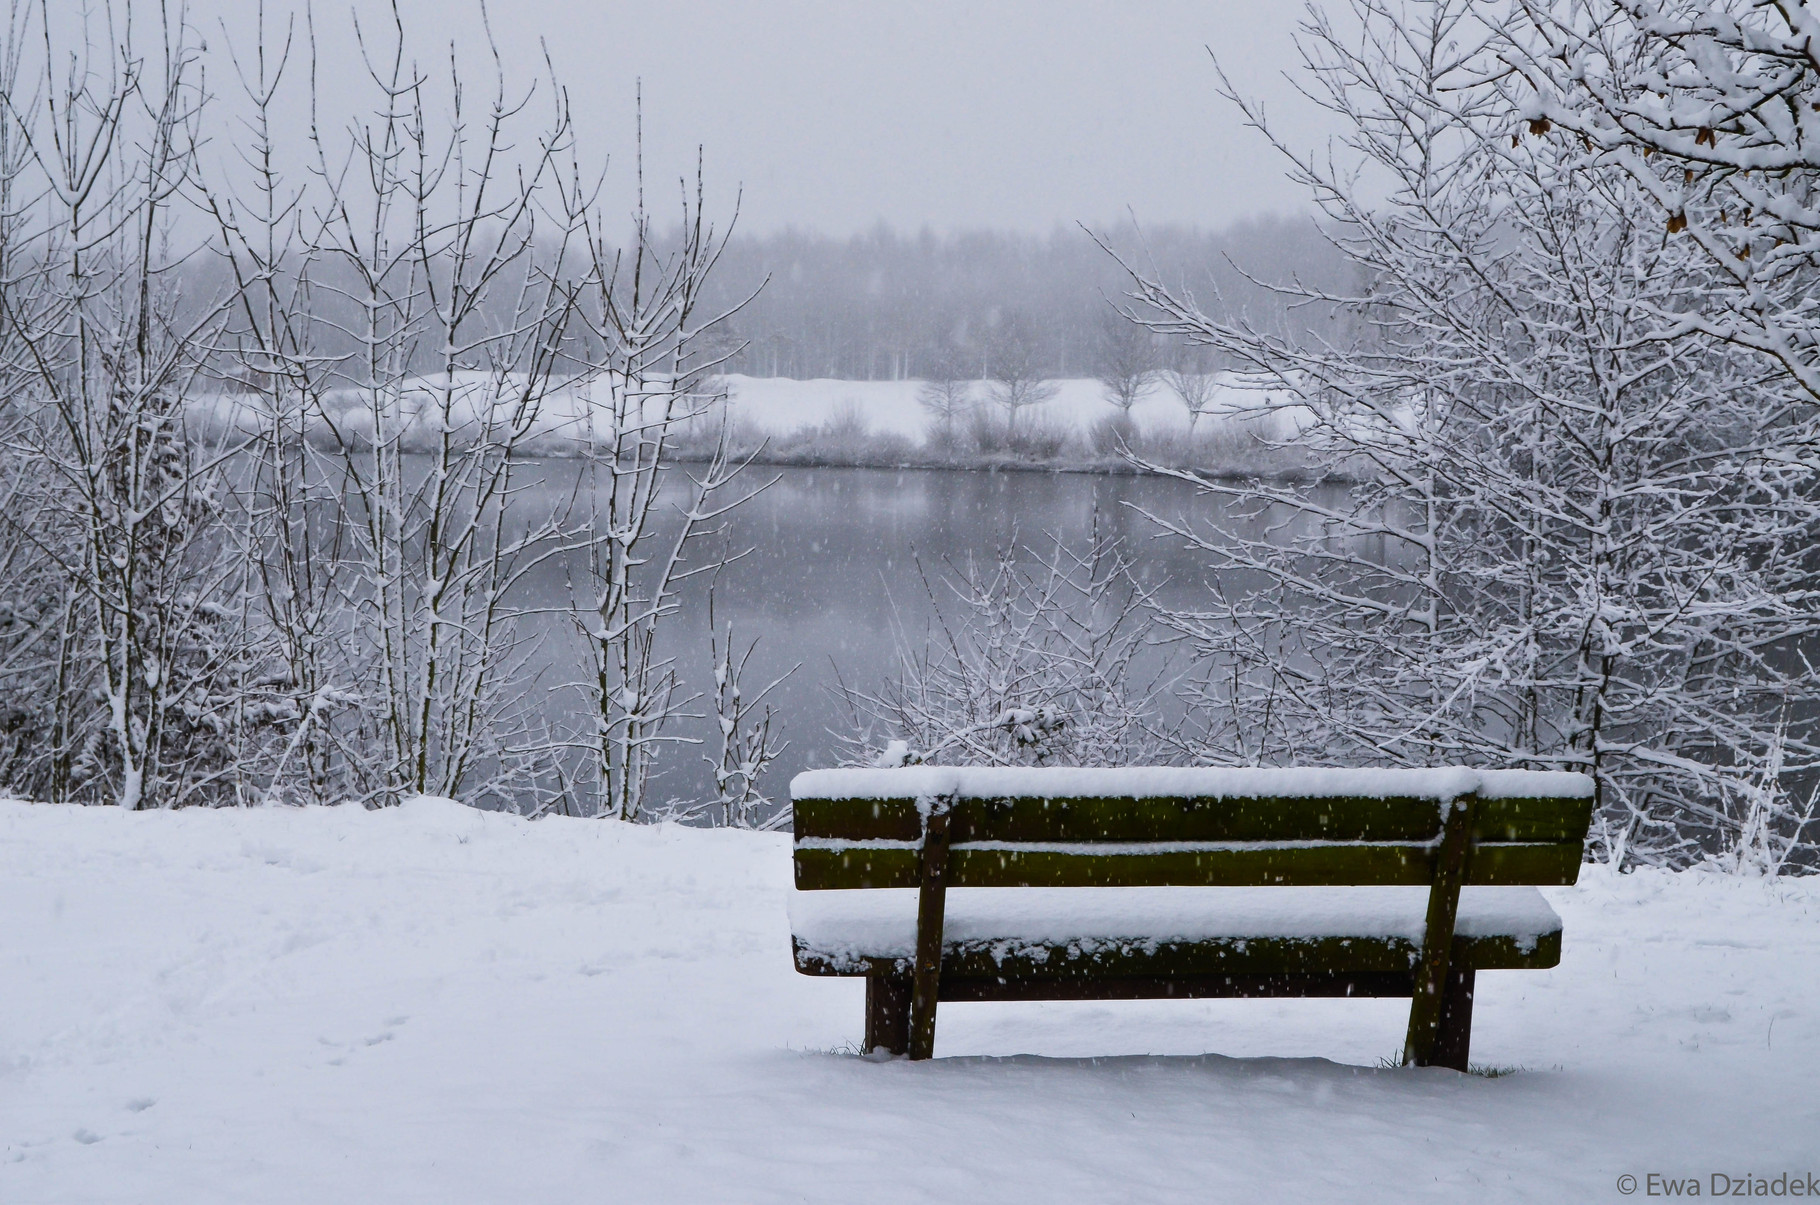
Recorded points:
(885, 305)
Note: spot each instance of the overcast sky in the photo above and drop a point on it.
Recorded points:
(834, 116)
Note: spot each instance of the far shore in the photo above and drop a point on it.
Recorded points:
(881, 425)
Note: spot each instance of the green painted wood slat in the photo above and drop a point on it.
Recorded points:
(1168, 819)
(1408, 865)
(1220, 956)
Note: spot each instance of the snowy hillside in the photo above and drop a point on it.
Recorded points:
(435, 1004)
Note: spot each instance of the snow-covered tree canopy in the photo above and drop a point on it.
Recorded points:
(1575, 535)
(1711, 109)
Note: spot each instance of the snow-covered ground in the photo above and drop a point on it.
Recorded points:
(435, 1004)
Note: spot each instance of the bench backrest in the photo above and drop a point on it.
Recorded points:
(1150, 826)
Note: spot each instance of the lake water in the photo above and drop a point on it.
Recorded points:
(832, 576)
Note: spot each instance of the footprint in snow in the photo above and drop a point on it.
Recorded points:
(141, 1104)
(86, 1137)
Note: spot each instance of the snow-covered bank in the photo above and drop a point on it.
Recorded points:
(834, 422)
(780, 405)
(440, 1005)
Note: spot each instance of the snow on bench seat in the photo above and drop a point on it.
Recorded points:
(842, 932)
(994, 782)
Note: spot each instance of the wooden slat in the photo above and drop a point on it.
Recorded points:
(1222, 956)
(1305, 866)
(1244, 866)
(824, 869)
(1362, 984)
(1557, 821)
(1140, 819)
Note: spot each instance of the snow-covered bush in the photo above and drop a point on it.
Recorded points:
(1037, 660)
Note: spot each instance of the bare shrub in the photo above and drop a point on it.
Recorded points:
(986, 435)
(748, 730)
(1114, 434)
(1042, 438)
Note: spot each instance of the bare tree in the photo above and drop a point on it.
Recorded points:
(37, 535)
(1125, 361)
(441, 279)
(102, 351)
(280, 358)
(946, 395)
(338, 617)
(643, 368)
(1014, 380)
(1189, 377)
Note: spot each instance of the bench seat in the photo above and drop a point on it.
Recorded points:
(1143, 932)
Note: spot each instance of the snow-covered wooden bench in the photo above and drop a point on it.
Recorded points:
(1152, 882)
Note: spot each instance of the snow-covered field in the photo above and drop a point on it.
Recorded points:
(435, 1004)
(778, 405)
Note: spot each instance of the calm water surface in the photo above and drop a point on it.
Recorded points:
(832, 577)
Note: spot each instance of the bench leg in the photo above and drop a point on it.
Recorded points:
(888, 1014)
(1455, 1036)
(1433, 970)
(931, 903)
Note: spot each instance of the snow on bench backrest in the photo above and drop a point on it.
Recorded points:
(1159, 826)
